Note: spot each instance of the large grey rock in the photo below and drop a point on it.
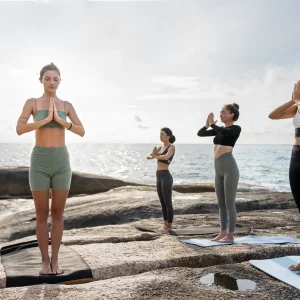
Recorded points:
(129, 204)
(14, 183)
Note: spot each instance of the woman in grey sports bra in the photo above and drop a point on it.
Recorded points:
(164, 180)
(49, 162)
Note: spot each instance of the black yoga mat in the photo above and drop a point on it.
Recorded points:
(194, 230)
(22, 264)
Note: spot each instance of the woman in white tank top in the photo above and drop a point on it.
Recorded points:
(291, 109)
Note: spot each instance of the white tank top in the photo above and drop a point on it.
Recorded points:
(296, 119)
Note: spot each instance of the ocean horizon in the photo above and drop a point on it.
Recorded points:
(265, 165)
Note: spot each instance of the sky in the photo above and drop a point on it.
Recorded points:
(132, 67)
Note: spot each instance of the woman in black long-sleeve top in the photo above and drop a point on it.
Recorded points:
(226, 170)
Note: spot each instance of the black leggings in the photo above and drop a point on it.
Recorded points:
(164, 184)
(294, 174)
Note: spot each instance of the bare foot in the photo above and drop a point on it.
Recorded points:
(56, 269)
(229, 238)
(295, 267)
(222, 235)
(46, 268)
(162, 228)
(226, 240)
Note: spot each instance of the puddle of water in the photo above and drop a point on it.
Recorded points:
(228, 282)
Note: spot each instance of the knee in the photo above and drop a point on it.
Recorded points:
(42, 216)
(57, 214)
(231, 207)
(222, 204)
(169, 207)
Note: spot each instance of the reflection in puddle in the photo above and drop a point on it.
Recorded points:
(228, 282)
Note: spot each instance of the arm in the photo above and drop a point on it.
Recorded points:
(229, 131)
(76, 126)
(204, 132)
(154, 151)
(285, 111)
(22, 125)
(170, 152)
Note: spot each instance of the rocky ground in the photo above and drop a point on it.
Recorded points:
(130, 264)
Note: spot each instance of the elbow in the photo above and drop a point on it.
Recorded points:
(272, 117)
(19, 131)
(82, 133)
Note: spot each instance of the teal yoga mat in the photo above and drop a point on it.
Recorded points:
(279, 269)
(250, 239)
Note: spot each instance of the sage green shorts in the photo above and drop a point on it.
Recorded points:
(50, 169)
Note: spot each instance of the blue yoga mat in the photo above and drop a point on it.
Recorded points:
(250, 239)
(279, 269)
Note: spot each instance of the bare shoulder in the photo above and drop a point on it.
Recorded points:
(172, 147)
(68, 105)
(63, 101)
(290, 112)
(30, 102)
(28, 109)
(295, 108)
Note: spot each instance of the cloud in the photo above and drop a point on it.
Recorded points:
(138, 119)
(142, 126)
(132, 66)
(178, 81)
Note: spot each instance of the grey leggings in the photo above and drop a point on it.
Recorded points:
(164, 184)
(226, 182)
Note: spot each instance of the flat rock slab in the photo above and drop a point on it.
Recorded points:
(125, 205)
(118, 254)
(172, 283)
(109, 260)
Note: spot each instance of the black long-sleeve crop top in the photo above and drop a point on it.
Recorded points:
(225, 136)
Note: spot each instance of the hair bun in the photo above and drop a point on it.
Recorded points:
(236, 105)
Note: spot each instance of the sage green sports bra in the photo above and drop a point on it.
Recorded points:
(43, 113)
